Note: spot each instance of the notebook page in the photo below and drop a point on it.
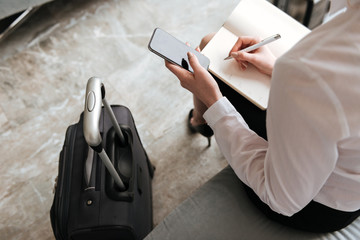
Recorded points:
(250, 83)
(260, 18)
(251, 18)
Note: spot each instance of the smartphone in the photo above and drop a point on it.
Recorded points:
(173, 50)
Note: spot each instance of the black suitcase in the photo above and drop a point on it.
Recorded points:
(102, 196)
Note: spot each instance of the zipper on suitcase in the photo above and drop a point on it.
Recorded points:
(63, 206)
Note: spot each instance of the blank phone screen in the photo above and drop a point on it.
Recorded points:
(173, 50)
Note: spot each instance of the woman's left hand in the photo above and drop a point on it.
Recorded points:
(200, 83)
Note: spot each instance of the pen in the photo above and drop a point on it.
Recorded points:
(260, 44)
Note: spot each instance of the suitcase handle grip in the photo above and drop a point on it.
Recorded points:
(92, 113)
(94, 97)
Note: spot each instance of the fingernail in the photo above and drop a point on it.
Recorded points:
(234, 54)
(244, 66)
(190, 55)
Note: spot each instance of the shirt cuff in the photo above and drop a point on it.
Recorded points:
(219, 109)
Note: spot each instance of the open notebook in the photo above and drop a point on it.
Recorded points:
(251, 18)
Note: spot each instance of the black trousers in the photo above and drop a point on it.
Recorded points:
(315, 217)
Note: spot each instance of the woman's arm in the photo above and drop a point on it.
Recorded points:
(289, 170)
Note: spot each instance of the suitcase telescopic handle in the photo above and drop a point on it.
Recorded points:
(94, 98)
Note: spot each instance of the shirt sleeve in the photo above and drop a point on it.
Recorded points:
(289, 169)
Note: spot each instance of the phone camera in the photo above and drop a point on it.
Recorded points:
(184, 64)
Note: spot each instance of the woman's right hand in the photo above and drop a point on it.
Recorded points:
(262, 58)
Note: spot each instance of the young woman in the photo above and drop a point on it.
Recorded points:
(303, 168)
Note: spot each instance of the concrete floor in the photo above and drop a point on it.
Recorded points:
(44, 67)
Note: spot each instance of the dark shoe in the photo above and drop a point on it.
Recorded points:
(203, 129)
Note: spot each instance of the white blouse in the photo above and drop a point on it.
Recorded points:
(313, 124)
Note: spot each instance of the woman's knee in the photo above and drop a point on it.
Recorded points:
(205, 40)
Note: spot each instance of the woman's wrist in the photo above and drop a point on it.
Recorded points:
(213, 98)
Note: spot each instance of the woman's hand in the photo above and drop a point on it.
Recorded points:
(261, 58)
(200, 83)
